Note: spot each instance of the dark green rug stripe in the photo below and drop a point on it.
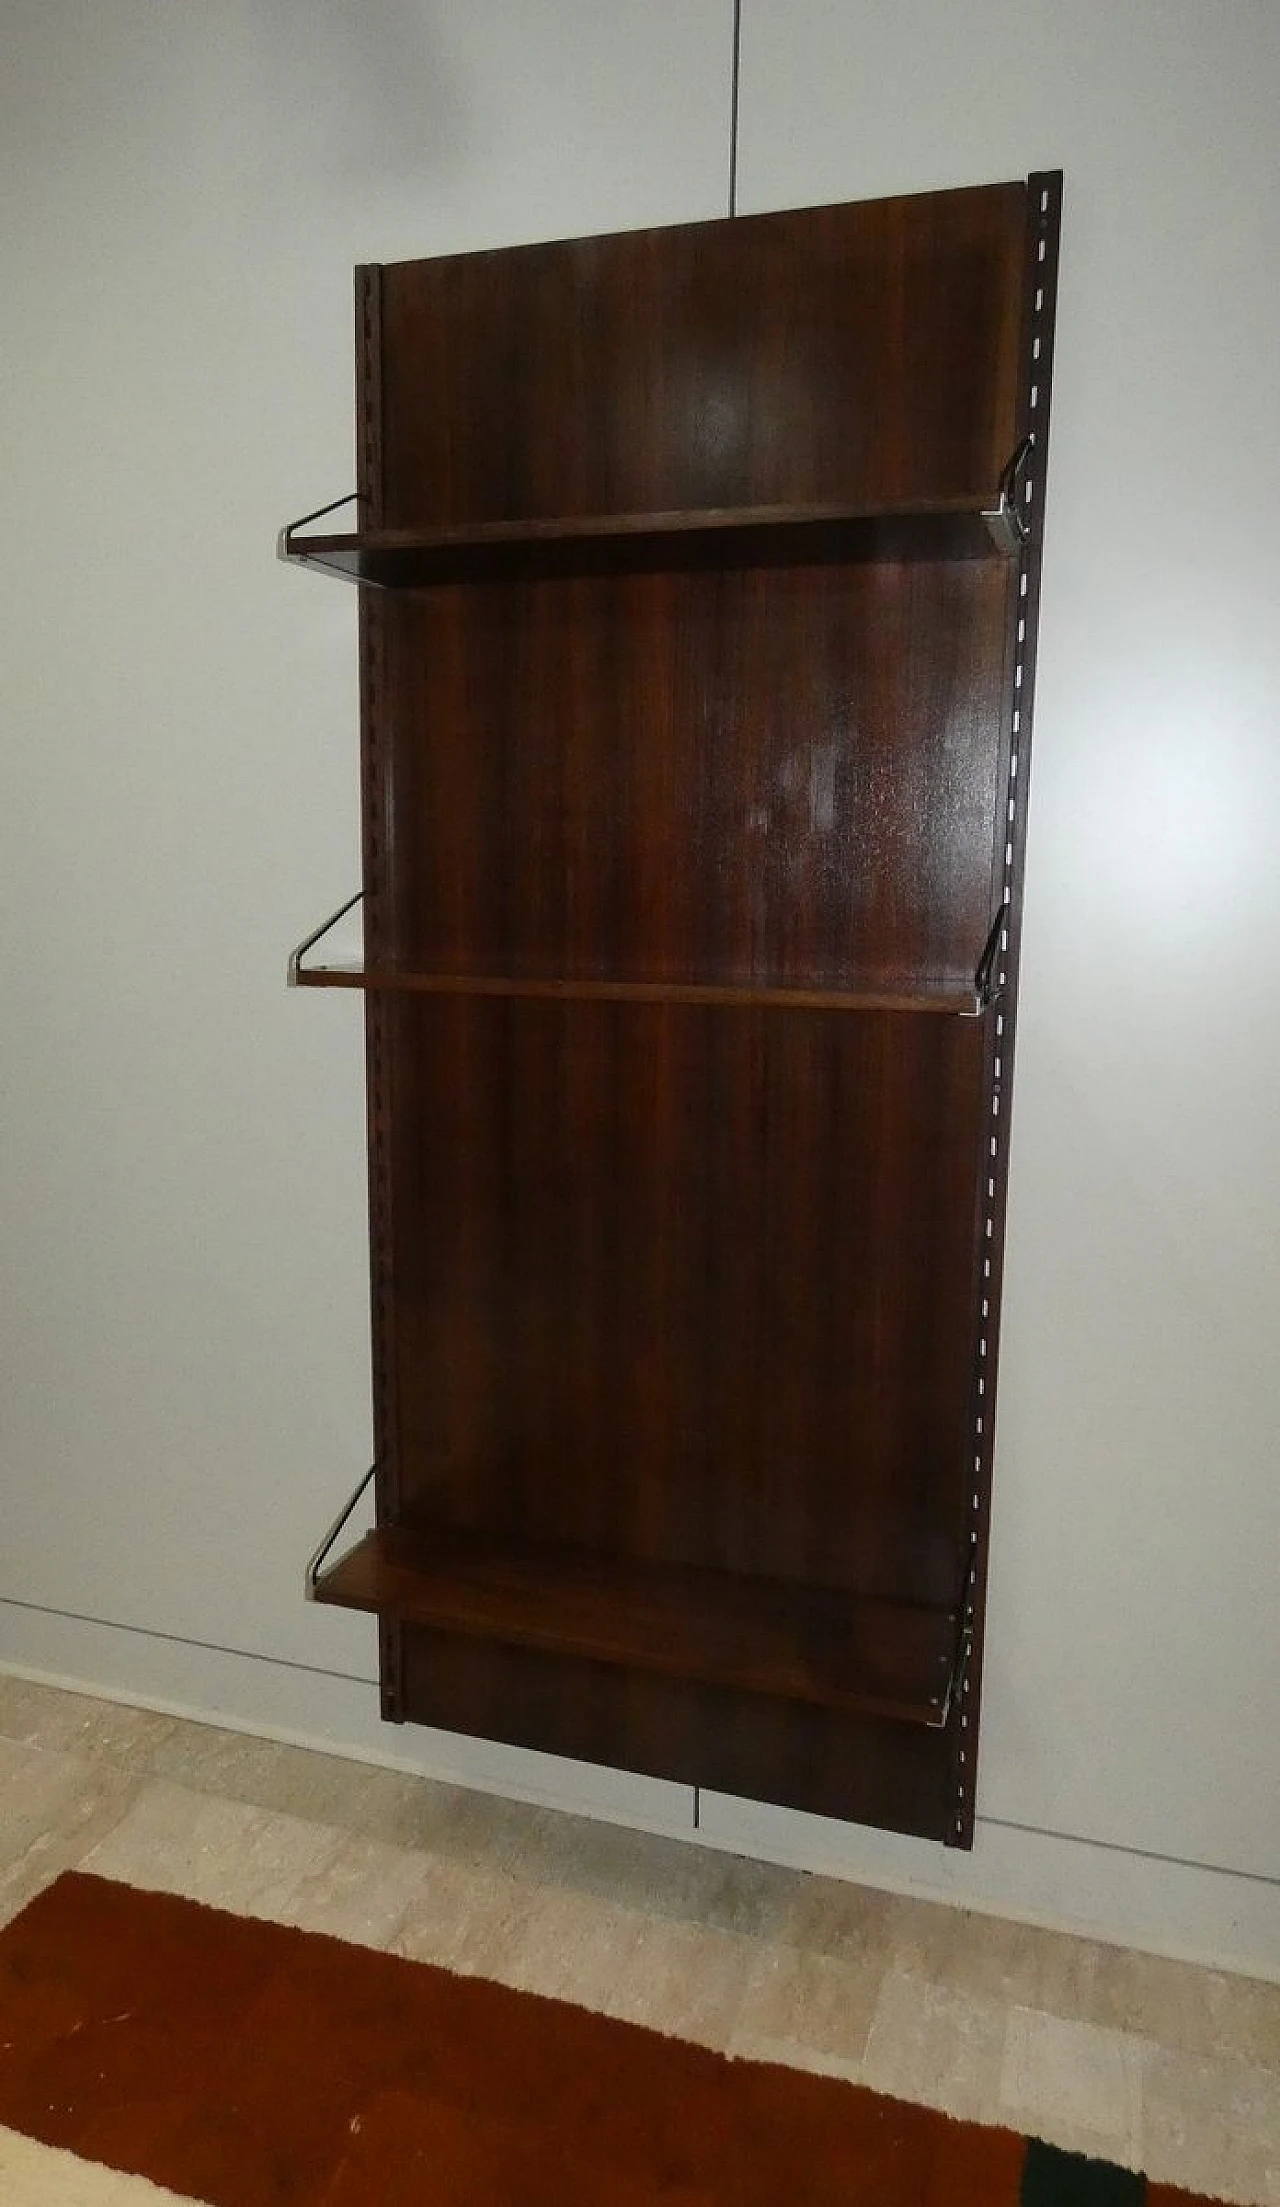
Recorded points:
(1051, 2178)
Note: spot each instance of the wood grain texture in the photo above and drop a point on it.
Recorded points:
(763, 1635)
(784, 778)
(858, 356)
(700, 538)
(941, 997)
(828, 1762)
(696, 1286)
(684, 725)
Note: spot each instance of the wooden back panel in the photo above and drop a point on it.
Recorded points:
(866, 353)
(682, 1283)
(770, 776)
(694, 1285)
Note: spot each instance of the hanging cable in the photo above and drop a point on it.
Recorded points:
(733, 108)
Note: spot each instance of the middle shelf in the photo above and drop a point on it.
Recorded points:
(343, 966)
(813, 1644)
(970, 525)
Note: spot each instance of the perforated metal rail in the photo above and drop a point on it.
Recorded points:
(1028, 487)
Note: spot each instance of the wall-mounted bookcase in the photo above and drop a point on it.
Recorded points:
(699, 576)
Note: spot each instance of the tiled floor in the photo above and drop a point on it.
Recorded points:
(1144, 2061)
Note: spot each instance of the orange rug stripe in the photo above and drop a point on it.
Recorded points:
(246, 2063)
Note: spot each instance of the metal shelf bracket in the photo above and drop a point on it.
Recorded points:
(983, 979)
(285, 546)
(1006, 520)
(296, 956)
(316, 1561)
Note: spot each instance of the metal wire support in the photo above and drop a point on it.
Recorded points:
(1007, 520)
(285, 546)
(296, 956)
(316, 1561)
(984, 974)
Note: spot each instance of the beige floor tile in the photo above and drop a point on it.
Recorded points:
(997, 1960)
(35, 2175)
(488, 1828)
(989, 1958)
(393, 1806)
(78, 1724)
(666, 1878)
(672, 1977)
(1190, 2010)
(1087, 1981)
(1157, 1999)
(364, 1891)
(53, 1808)
(231, 1856)
(932, 2044)
(35, 1789)
(390, 1805)
(684, 1980)
(921, 1937)
(1246, 2018)
(1180, 2006)
(566, 1945)
(808, 2010)
(463, 1916)
(1211, 2126)
(850, 1923)
(594, 1948)
(1078, 2085)
(1234, 2018)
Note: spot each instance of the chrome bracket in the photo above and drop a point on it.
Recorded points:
(1006, 520)
(316, 1561)
(958, 1675)
(964, 1651)
(983, 987)
(296, 956)
(285, 546)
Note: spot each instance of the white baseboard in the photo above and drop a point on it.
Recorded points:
(1188, 1911)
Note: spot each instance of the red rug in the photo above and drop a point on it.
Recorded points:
(250, 2065)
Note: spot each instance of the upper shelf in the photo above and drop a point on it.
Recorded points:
(971, 527)
(341, 964)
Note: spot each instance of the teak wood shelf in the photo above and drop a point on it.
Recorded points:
(699, 579)
(969, 527)
(933, 993)
(811, 1644)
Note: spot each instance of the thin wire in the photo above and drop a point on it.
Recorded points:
(185, 1640)
(733, 108)
(1120, 1846)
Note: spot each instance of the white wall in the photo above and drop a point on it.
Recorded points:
(183, 194)
(183, 1397)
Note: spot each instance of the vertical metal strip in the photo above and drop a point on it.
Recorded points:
(379, 1011)
(1044, 210)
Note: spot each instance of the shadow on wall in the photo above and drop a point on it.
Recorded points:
(362, 84)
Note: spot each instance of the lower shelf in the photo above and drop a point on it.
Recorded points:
(813, 1644)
